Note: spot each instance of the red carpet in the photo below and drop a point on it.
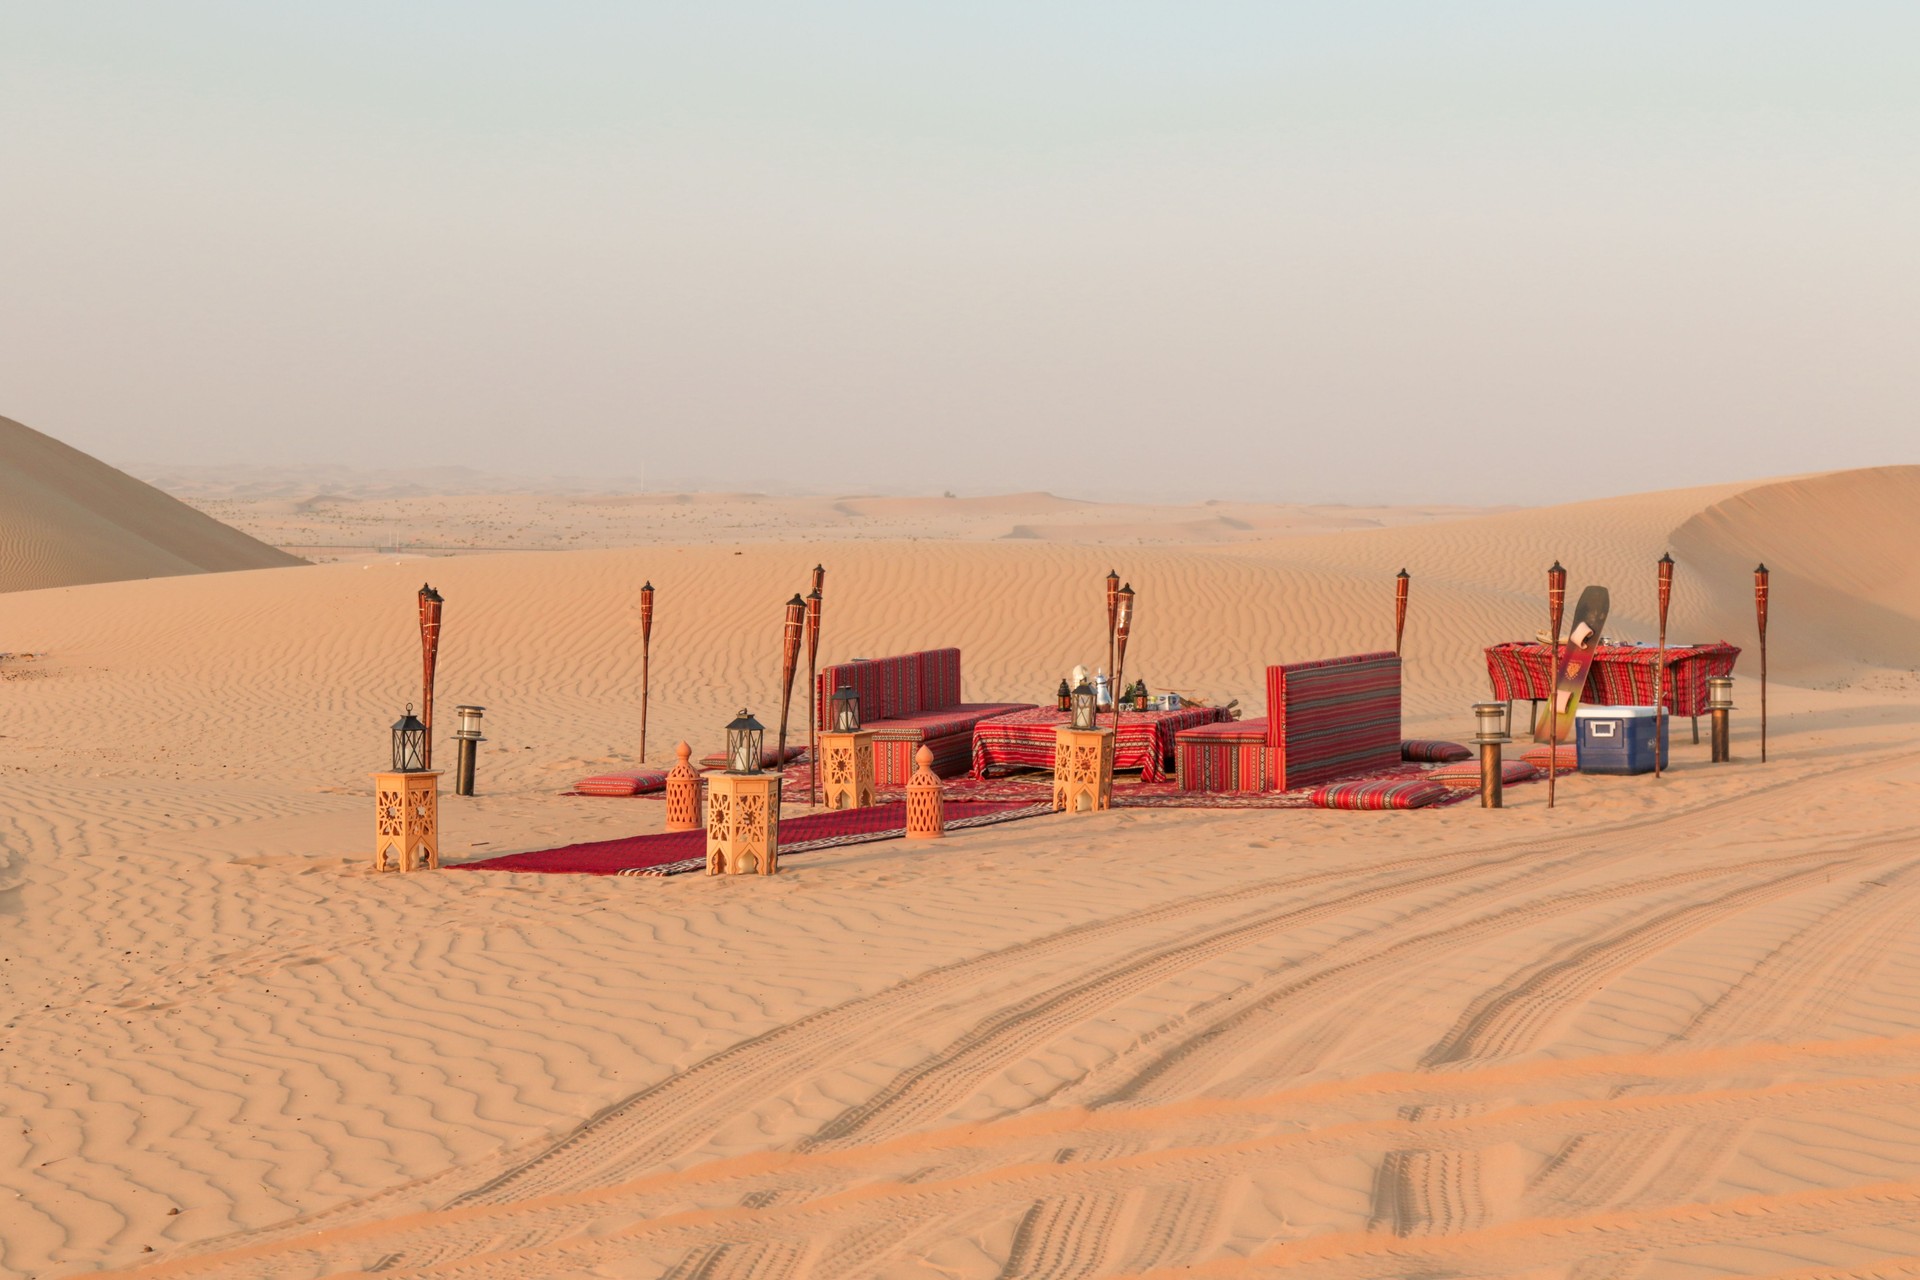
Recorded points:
(671, 852)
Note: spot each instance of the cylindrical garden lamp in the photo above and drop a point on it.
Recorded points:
(1490, 732)
(1400, 584)
(1720, 709)
(1556, 610)
(1760, 615)
(468, 740)
(746, 744)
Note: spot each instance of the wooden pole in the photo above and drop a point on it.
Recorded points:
(1556, 607)
(1760, 587)
(1400, 584)
(646, 660)
(1122, 629)
(814, 601)
(431, 603)
(1113, 614)
(789, 658)
(1660, 671)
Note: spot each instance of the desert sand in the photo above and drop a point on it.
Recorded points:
(1664, 1030)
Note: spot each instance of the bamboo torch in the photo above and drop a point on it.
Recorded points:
(1113, 613)
(1400, 584)
(814, 599)
(430, 605)
(646, 655)
(1760, 613)
(1556, 607)
(789, 658)
(1123, 628)
(1660, 669)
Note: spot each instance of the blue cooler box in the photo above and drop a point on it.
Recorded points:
(1617, 739)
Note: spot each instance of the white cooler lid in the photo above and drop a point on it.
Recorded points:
(1612, 713)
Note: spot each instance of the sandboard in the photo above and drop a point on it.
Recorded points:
(1576, 660)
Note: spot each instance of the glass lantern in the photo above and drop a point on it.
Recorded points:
(409, 743)
(846, 710)
(1719, 693)
(1085, 707)
(469, 722)
(744, 738)
(1490, 722)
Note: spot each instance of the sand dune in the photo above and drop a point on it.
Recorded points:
(1655, 1032)
(66, 518)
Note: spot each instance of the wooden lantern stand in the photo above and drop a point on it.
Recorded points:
(846, 772)
(406, 821)
(743, 824)
(1082, 769)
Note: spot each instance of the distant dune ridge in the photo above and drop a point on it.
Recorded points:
(67, 518)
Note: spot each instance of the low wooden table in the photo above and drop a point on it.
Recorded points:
(1025, 739)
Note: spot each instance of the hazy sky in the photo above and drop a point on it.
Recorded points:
(1335, 251)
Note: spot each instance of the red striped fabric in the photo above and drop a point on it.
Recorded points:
(1622, 675)
(1468, 775)
(636, 783)
(1381, 793)
(1333, 717)
(1024, 740)
(1433, 751)
(906, 684)
(1224, 757)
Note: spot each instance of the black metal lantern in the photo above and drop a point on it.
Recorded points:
(745, 737)
(1086, 708)
(846, 710)
(409, 743)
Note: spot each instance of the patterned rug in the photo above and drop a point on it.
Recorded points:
(672, 852)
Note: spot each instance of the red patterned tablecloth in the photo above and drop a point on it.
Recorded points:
(1144, 742)
(1622, 675)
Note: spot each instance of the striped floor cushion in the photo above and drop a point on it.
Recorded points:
(1378, 793)
(1468, 775)
(769, 756)
(1433, 751)
(640, 782)
(1568, 757)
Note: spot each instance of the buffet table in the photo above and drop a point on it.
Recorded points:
(1024, 739)
(1622, 675)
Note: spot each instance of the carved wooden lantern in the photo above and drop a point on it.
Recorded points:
(846, 756)
(743, 807)
(926, 810)
(683, 792)
(406, 803)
